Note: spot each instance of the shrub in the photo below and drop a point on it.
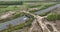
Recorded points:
(51, 17)
(58, 16)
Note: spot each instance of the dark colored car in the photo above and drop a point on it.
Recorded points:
(27, 16)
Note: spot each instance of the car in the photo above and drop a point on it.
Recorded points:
(27, 16)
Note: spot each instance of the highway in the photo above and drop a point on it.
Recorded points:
(24, 18)
(48, 9)
(13, 22)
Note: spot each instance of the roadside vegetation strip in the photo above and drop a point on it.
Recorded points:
(33, 5)
(41, 7)
(53, 17)
(44, 14)
(19, 26)
(14, 16)
(11, 2)
(7, 8)
(4, 6)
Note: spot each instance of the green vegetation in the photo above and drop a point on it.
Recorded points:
(11, 2)
(44, 6)
(6, 8)
(36, 5)
(44, 14)
(14, 16)
(19, 26)
(58, 16)
(41, 7)
(33, 0)
(53, 17)
(33, 5)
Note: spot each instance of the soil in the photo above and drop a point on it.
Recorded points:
(56, 23)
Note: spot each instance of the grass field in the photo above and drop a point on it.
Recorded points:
(39, 6)
(6, 8)
(34, 7)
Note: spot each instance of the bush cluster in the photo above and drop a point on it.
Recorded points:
(53, 17)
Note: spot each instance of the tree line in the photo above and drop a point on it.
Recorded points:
(11, 2)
